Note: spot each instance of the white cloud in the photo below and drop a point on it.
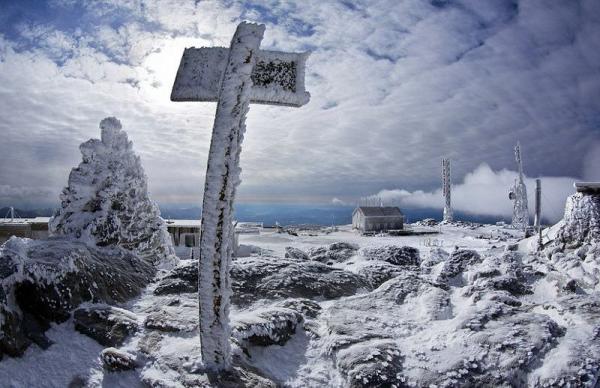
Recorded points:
(485, 192)
(395, 86)
(338, 202)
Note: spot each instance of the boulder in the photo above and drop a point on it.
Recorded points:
(456, 264)
(51, 278)
(306, 307)
(402, 256)
(581, 221)
(263, 277)
(372, 363)
(115, 360)
(378, 272)
(500, 273)
(334, 253)
(265, 326)
(108, 325)
(267, 278)
(165, 321)
(295, 253)
(181, 279)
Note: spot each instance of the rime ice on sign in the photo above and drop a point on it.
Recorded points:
(234, 78)
(277, 77)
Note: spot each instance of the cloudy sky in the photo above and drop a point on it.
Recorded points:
(395, 86)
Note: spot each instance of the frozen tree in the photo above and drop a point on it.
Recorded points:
(106, 200)
(518, 194)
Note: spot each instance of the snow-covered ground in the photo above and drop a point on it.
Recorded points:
(461, 311)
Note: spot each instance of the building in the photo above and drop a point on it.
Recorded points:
(377, 218)
(185, 234)
(35, 228)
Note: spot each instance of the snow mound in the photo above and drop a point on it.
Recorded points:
(106, 200)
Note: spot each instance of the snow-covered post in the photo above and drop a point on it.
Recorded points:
(234, 78)
(446, 190)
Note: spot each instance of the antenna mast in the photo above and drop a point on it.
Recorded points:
(518, 194)
(446, 190)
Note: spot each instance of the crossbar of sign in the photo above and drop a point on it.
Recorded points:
(277, 77)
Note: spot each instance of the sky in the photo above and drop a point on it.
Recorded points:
(396, 85)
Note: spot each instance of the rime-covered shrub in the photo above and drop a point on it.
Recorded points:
(106, 200)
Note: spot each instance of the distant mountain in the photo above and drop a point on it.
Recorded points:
(285, 214)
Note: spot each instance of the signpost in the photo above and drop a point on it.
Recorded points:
(234, 77)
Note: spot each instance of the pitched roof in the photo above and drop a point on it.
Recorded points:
(379, 211)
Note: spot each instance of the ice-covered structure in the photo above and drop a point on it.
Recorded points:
(446, 190)
(106, 200)
(518, 194)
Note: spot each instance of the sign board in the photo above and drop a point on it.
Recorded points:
(277, 77)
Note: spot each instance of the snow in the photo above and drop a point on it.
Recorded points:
(506, 318)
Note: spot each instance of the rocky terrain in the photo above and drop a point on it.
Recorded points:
(343, 310)
(104, 302)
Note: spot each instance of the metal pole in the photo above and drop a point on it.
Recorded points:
(538, 210)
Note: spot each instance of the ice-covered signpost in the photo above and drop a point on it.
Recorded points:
(234, 77)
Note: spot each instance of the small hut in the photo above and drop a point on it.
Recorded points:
(377, 218)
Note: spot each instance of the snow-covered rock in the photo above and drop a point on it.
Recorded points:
(108, 325)
(268, 278)
(265, 326)
(372, 363)
(306, 307)
(116, 360)
(255, 278)
(43, 281)
(106, 200)
(378, 272)
(500, 273)
(456, 264)
(163, 320)
(181, 279)
(334, 253)
(581, 222)
(403, 256)
(295, 253)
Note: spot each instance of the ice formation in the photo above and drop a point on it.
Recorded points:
(106, 200)
(518, 194)
(581, 222)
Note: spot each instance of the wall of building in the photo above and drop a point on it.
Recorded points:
(369, 224)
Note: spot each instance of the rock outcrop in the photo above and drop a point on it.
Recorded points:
(108, 325)
(255, 278)
(43, 281)
(581, 222)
